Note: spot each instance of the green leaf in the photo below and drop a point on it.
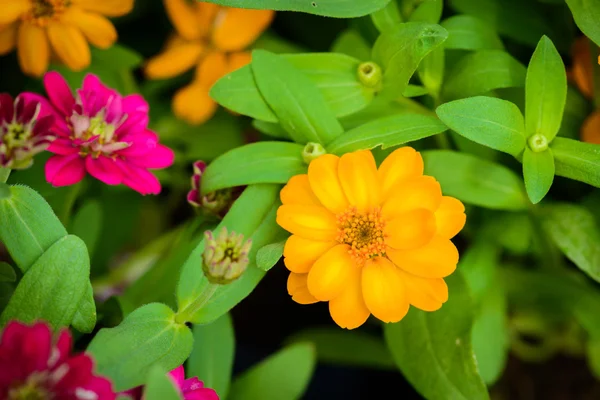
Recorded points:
(433, 350)
(483, 71)
(399, 52)
(466, 32)
(577, 160)
(268, 255)
(587, 15)
(387, 132)
(348, 348)
(87, 224)
(351, 43)
(213, 354)
(429, 11)
(476, 181)
(117, 54)
(414, 91)
(85, 317)
(478, 265)
(326, 8)
(538, 171)
(7, 273)
(300, 107)
(387, 18)
(149, 336)
(488, 121)
(282, 376)
(53, 287)
(261, 162)
(28, 226)
(271, 129)
(545, 90)
(574, 231)
(159, 386)
(431, 71)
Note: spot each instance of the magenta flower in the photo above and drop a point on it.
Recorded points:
(190, 389)
(104, 134)
(24, 130)
(33, 366)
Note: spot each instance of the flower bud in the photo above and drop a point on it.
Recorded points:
(538, 143)
(225, 257)
(370, 75)
(215, 203)
(312, 151)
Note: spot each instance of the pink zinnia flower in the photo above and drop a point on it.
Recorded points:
(24, 131)
(33, 366)
(104, 134)
(190, 389)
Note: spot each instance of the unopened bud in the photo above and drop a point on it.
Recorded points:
(216, 203)
(312, 151)
(538, 143)
(225, 257)
(370, 75)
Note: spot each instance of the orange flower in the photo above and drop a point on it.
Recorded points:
(212, 38)
(62, 28)
(369, 240)
(582, 74)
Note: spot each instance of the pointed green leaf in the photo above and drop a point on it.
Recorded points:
(545, 90)
(466, 32)
(577, 160)
(587, 15)
(538, 172)
(429, 11)
(87, 224)
(431, 71)
(270, 128)
(159, 386)
(268, 255)
(351, 43)
(387, 18)
(84, 319)
(7, 273)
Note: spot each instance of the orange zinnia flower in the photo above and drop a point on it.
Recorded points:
(42, 28)
(369, 240)
(582, 74)
(212, 38)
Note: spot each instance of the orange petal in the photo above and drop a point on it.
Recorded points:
(349, 310)
(590, 130)
(330, 274)
(324, 181)
(309, 222)
(205, 15)
(236, 28)
(193, 104)
(183, 16)
(421, 192)
(436, 259)
(238, 60)
(298, 191)
(582, 71)
(357, 173)
(450, 217)
(33, 49)
(176, 59)
(402, 164)
(383, 290)
(8, 38)
(110, 8)
(70, 45)
(11, 10)
(296, 286)
(98, 30)
(300, 254)
(410, 230)
(211, 69)
(425, 294)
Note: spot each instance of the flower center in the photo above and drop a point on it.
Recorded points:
(95, 135)
(363, 232)
(30, 390)
(43, 11)
(16, 134)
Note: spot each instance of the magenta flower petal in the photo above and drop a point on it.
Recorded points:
(63, 347)
(65, 170)
(178, 376)
(201, 394)
(6, 108)
(160, 157)
(140, 143)
(139, 179)
(59, 92)
(63, 147)
(104, 169)
(136, 122)
(135, 103)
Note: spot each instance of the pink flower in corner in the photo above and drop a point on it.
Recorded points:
(104, 134)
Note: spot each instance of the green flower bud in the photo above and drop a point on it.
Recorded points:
(538, 143)
(312, 151)
(225, 257)
(370, 75)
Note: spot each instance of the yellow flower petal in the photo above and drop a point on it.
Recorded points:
(349, 310)
(98, 30)
(421, 192)
(298, 191)
(590, 130)
(175, 60)
(309, 222)
(183, 16)
(211, 68)
(236, 28)
(582, 70)
(110, 8)
(300, 254)
(69, 44)
(410, 230)
(8, 38)
(402, 164)
(383, 290)
(296, 286)
(450, 217)
(33, 49)
(324, 181)
(193, 104)
(205, 15)
(425, 294)
(357, 172)
(436, 259)
(329, 275)
(11, 10)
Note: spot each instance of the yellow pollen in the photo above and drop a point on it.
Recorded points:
(44, 11)
(363, 232)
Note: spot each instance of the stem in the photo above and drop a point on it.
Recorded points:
(4, 174)
(184, 315)
(69, 202)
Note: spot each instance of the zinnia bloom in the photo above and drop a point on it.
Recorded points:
(41, 29)
(24, 131)
(212, 38)
(369, 240)
(34, 366)
(190, 389)
(104, 134)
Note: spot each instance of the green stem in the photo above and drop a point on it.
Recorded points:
(188, 311)
(4, 174)
(70, 198)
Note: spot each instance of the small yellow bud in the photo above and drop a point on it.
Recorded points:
(225, 257)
